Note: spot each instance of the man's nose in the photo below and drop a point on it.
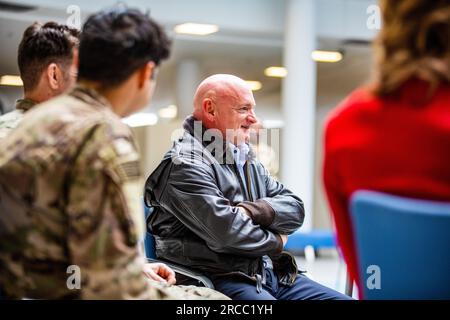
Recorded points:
(252, 117)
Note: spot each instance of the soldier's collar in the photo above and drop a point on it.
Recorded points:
(25, 104)
(90, 96)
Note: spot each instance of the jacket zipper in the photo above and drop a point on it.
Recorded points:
(241, 182)
(249, 183)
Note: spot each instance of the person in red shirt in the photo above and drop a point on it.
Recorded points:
(394, 135)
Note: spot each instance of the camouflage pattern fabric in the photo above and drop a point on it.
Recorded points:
(189, 292)
(68, 197)
(10, 120)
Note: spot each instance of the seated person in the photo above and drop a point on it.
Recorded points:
(47, 61)
(163, 278)
(394, 136)
(68, 172)
(218, 210)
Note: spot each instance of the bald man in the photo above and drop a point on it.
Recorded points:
(218, 210)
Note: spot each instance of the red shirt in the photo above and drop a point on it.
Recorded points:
(394, 145)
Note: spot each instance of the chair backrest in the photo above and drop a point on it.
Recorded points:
(403, 246)
(149, 243)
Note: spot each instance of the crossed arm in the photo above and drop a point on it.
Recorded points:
(192, 195)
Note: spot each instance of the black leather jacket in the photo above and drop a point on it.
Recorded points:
(196, 192)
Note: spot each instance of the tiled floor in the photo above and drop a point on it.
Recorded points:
(327, 268)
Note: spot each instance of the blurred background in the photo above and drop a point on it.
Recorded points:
(301, 57)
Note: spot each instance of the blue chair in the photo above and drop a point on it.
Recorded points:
(149, 243)
(184, 275)
(406, 242)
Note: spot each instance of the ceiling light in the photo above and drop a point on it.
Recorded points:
(141, 119)
(254, 85)
(196, 28)
(11, 81)
(168, 112)
(326, 56)
(277, 72)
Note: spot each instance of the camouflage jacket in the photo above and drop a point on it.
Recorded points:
(10, 120)
(70, 210)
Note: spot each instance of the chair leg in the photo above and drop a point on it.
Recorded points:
(348, 285)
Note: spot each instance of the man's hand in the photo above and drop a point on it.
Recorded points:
(159, 272)
(244, 211)
(284, 238)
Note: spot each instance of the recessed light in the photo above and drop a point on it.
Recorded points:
(141, 119)
(9, 80)
(326, 56)
(168, 112)
(196, 28)
(276, 72)
(254, 85)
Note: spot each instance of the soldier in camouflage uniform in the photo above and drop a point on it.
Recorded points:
(68, 173)
(47, 60)
(10, 120)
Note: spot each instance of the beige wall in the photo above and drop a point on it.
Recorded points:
(322, 218)
(154, 142)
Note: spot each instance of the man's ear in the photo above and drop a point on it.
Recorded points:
(146, 73)
(54, 76)
(209, 109)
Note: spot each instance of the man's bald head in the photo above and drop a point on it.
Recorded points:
(219, 87)
(225, 102)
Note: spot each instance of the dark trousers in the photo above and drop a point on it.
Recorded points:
(302, 289)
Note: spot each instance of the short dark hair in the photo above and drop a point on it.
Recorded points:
(118, 41)
(41, 45)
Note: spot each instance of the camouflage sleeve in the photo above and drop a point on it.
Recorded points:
(106, 219)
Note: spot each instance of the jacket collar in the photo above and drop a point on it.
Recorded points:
(25, 104)
(90, 96)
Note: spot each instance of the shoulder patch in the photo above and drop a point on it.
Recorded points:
(126, 162)
(129, 170)
(123, 146)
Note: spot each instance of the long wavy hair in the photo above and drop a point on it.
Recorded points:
(414, 42)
